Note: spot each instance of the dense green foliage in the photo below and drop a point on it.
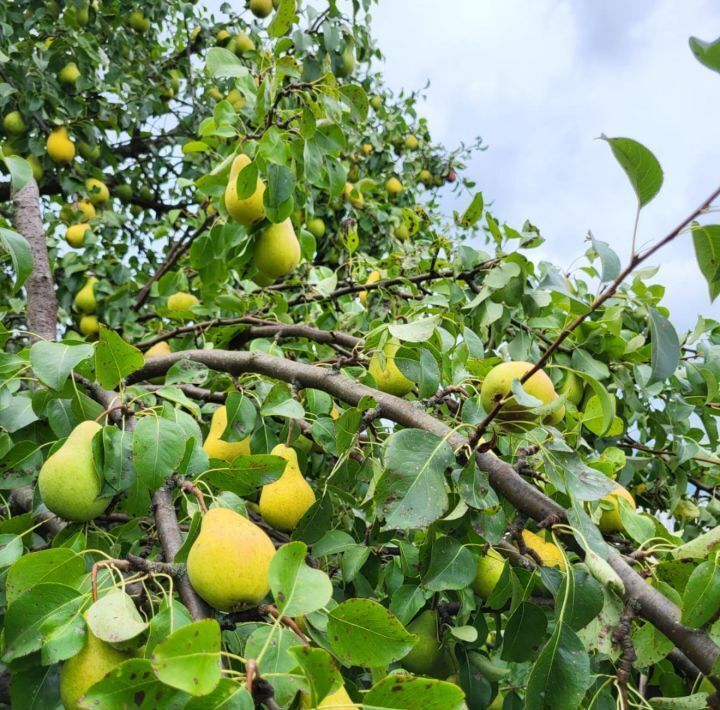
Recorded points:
(383, 562)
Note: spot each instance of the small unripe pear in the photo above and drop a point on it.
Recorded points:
(138, 21)
(69, 74)
(89, 326)
(243, 43)
(13, 123)
(402, 231)
(316, 227)
(181, 301)
(411, 142)
(37, 168)
(489, 569)
(426, 177)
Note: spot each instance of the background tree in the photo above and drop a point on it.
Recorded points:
(275, 434)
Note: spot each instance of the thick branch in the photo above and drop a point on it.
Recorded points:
(527, 499)
(41, 300)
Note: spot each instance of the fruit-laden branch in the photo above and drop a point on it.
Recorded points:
(40, 288)
(163, 510)
(527, 499)
(635, 260)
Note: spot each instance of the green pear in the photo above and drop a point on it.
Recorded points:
(217, 448)
(497, 384)
(277, 251)
(316, 227)
(285, 501)
(124, 192)
(393, 186)
(13, 123)
(87, 667)
(243, 43)
(181, 302)
(85, 300)
(229, 561)
(69, 482)
(138, 21)
(345, 63)
(489, 568)
(387, 376)
(376, 102)
(426, 177)
(37, 167)
(69, 74)
(572, 388)
(610, 520)
(427, 656)
(89, 326)
(260, 8)
(411, 142)
(249, 210)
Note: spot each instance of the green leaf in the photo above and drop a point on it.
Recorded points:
(701, 599)
(640, 165)
(706, 239)
(356, 98)
(17, 246)
(133, 684)
(406, 602)
(707, 53)
(118, 471)
(190, 658)
(283, 19)
(277, 659)
(416, 331)
(665, 347)
(241, 417)
(452, 566)
(361, 632)
(699, 547)
(229, 695)
(320, 670)
(474, 212)
(158, 447)
(609, 260)
(411, 492)
(524, 633)
(114, 617)
(222, 63)
(561, 674)
(246, 182)
(11, 548)
(297, 588)
(54, 565)
(404, 692)
(35, 688)
(279, 402)
(114, 358)
(278, 197)
(20, 171)
(650, 645)
(53, 362)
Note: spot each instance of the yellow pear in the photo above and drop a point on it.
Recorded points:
(411, 142)
(427, 656)
(353, 195)
(393, 186)
(97, 191)
(489, 568)
(238, 103)
(610, 521)
(366, 149)
(89, 326)
(228, 562)
(157, 350)
(13, 123)
(250, 210)
(548, 552)
(222, 36)
(277, 251)
(69, 482)
(260, 8)
(387, 376)
(215, 447)
(316, 227)
(426, 177)
(75, 234)
(339, 700)
(373, 277)
(497, 384)
(181, 301)
(87, 667)
(85, 298)
(59, 146)
(376, 102)
(86, 209)
(37, 168)
(69, 74)
(243, 43)
(285, 501)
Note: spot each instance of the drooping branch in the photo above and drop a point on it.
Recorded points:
(41, 299)
(527, 499)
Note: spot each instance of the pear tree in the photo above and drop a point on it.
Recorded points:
(277, 431)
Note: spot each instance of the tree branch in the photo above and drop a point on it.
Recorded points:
(656, 608)
(40, 288)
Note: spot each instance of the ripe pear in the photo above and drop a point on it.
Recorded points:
(277, 251)
(402, 232)
(181, 301)
(69, 74)
(387, 376)
(85, 300)
(250, 210)
(393, 186)
(222, 36)
(411, 142)
(228, 562)
(427, 656)
(610, 521)
(59, 146)
(285, 501)
(376, 102)
(237, 100)
(13, 123)
(87, 667)
(158, 350)
(316, 227)
(374, 277)
(243, 43)
(89, 326)
(260, 8)
(548, 552)
(353, 195)
(97, 191)
(339, 700)
(217, 448)
(366, 148)
(138, 21)
(86, 209)
(215, 93)
(497, 384)
(68, 481)
(489, 569)
(75, 234)
(426, 177)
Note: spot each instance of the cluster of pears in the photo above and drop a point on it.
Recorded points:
(84, 211)
(69, 483)
(515, 417)
(277, 249)
(86, 303)
(388, 377)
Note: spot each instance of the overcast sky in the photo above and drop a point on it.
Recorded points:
(539, 80)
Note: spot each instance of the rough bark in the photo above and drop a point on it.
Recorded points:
(695, 644)
(41, 299)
